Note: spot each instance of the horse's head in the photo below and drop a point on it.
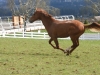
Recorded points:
(35, 16)
(38, 15)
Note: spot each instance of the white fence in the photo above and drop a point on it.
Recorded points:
(34, 35)
(65, 17)
(8, 31)
(6, 24)
(44, 35)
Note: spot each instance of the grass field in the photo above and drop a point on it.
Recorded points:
(37, 57)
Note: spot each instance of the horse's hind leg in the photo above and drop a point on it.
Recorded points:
(75, 44)
(73, 47)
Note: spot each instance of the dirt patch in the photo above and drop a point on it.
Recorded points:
(94, 30)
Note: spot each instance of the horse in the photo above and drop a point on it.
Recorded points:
(60, 29)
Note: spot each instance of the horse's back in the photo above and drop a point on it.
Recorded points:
(76, 28)
(68, 28)
(70, 25)
(77, 24)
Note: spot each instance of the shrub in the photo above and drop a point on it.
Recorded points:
(99, 22)
(85, 22)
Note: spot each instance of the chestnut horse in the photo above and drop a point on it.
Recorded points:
(60, 29)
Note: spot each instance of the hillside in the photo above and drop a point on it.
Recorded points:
(67, 7)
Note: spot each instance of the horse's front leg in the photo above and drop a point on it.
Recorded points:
(51, 43)
(56, 42)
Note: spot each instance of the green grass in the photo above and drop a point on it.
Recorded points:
(88, 31)
(42, 30)
(37, 57)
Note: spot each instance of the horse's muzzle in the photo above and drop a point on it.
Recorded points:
(30, 21)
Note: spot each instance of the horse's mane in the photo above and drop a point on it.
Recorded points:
(44, 12)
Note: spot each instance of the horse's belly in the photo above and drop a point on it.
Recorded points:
(62, 35)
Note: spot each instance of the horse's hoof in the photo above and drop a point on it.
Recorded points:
(67, 52)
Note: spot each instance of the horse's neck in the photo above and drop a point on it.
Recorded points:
(47, 22)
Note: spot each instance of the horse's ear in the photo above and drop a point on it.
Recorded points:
(35, 9)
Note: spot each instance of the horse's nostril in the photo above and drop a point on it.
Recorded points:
(30, 21)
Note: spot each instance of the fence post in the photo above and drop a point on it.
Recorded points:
(98, 35)
(3, 33)
(1, 23)
(44, 35)
(83, 37)
(31, 34)
(23, 33)
(14, 33)
(39, 30)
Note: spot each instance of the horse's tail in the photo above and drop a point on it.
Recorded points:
(94, 25)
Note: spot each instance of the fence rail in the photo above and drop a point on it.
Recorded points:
(7, 24)
(7, 30)
(44, 35)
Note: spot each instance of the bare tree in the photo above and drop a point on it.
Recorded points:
(11, 5)
(27, 7)
(94, 5)
(21, 7)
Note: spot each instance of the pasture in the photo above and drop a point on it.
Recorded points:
(37, 57)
